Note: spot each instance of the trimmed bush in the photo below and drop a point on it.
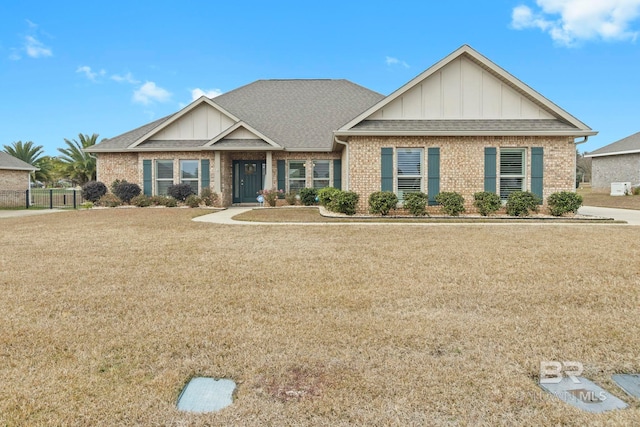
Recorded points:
(291, 198)
(208, 197)
(381, 202)
(326, 195)
(125, 190)
(109, 200)
(416, 203)
(193, 201)
(308, 196)
(486, 202)
(521, 203)
(93, 190)
(564, 201)
(344, 202)
(180, 191)
(452, 202)
(169, 202)
(141, 201)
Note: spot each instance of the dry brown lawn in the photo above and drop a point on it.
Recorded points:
(607, 201)
(106, 314)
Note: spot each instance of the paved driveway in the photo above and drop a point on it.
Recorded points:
(26, 212)
(631, 216)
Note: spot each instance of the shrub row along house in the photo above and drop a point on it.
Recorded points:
(463, 125)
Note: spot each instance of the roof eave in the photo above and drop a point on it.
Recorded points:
(575, 133)
(614, 153)
(9, 168)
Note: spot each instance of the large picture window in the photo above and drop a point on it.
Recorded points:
(164, 176)
(320, 173)
(297, 175)
(512, 171)
(409, 171)
(189, 173)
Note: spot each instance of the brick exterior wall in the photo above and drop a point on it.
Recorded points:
(14, 180)
(621, 168)
(461, 162)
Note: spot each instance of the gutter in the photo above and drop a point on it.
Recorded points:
(585, 139)
(346, 158)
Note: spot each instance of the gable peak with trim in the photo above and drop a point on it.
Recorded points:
(465, 94)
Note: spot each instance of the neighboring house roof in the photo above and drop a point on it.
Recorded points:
(628, 145)
(295, 115)
(9, 162)
(465, 93)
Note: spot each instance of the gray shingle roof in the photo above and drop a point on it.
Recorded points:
(172, 144)
(7, 161)
(625, 145)
(296, 114)
(484, 125)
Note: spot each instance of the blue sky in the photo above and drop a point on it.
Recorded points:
(69, 67)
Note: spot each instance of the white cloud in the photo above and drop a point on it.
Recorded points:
(390, 60)
(571, 21)
(127, 78)
(211, 93)
(149, 92)
(86, 70)
(35, 48)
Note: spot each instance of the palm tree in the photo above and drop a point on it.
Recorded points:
(30, 153)
(78, 165)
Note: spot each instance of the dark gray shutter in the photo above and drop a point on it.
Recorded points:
(282, 176)
(147, 184)
(205, 173)
(537, 171)
(490, 169)
(386, 169)
(433, 174)
(337, 174)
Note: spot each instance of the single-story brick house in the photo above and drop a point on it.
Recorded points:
(616, 162)
(463, 125)
(14, 173)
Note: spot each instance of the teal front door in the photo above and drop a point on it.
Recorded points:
(247, 180)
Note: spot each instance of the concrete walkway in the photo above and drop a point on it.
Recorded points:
(26, 212)
(226, 217)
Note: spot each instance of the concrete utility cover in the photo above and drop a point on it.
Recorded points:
(585, 395)
(630, 383)
(206, 395)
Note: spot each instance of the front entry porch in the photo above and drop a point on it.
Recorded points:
(248, 179)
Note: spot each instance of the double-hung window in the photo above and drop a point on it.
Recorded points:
(164, 176)
(409, 170)
(320, 173)
(297, 175)
(189, 174)
(512, 171)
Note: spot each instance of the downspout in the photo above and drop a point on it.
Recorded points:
(346, 158)
(575, 165)
(586, 138)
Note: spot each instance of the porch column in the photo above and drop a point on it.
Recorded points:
(217, 175)
(268, 175)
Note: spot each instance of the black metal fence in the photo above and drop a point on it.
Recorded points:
(47, 198)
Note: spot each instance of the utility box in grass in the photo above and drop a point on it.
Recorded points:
(620, 188)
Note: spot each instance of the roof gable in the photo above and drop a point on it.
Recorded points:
(465, 86)
(628, 145)
(8, 162)
(239, 133)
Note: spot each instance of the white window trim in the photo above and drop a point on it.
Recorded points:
(314, 179)
(397, 176)
(524, 169)
(188, 180)
(156, 180)
(289, 179)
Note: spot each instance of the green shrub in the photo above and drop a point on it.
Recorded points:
(169, 202)
(141, 201)
(193, 201)
(521, 203)
(416, 203)
(486, 202)
(344, 202)
(270, 196)
(308, 196)
(109, 200)
(636, 191)
(86, 205)
(381, 202)
(208, 197)
(180, 191)
(291, 198)
(93, 191)
(452, 202)
(125, 190)
(563, 202)
(326, 195)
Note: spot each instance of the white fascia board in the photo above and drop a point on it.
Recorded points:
(214, 148)
(248, 127)
(615, 153)
(8, 168)
(181, 113)
(576, 133)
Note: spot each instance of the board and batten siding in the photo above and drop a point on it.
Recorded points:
(462, 90)
(203, 122)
